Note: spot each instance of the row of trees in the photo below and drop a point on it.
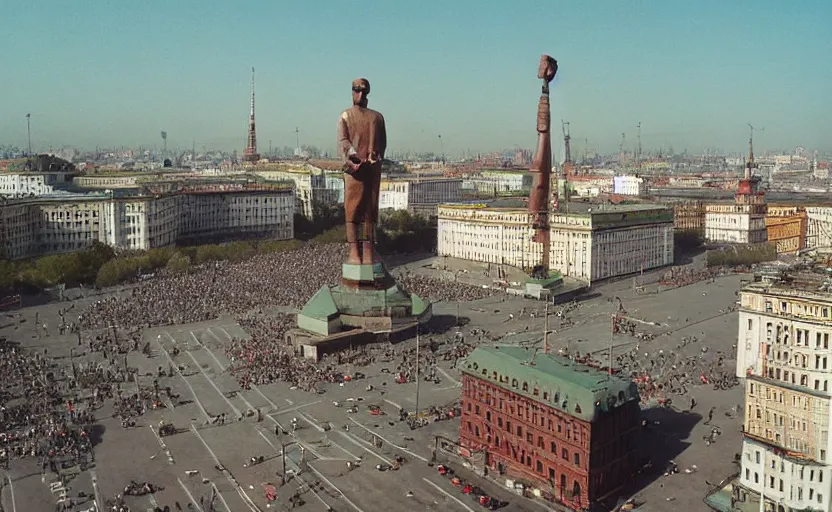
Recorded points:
(99, 265)
(742, 255)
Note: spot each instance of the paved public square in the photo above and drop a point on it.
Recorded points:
(210, 453)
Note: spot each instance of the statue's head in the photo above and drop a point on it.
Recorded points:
(360, 91)
(547, 68)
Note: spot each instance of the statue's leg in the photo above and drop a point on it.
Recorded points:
(353, 257)
(368, 243)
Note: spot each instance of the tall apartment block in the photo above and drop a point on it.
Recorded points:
(784, 355)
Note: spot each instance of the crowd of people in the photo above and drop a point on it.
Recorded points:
(38, 416)
(286, 279)
(264, 357)
(685, 275)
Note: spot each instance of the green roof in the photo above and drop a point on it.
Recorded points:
(321, 306)
(579, 390)
(554, 278)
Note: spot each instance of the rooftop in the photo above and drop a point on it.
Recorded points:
(578, 390)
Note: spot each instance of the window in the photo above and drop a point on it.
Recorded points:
(564, 454)
(539, 467)
(554, 447)
(578, 459)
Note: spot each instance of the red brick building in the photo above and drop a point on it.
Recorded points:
(565, 429)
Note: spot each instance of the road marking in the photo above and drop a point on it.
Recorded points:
(448, 376)
(355, 440)
(325, 479)
(219, 495)
(221, 367)
(202, 345)
(443, 491)
(11, 493)
(295, 408)
(226, 333)
(194, 502)
(176, 368)
(402, 448)
(394, 404)
(213, 385)
(246, 499)
(297, 468)
(94, 479)
(162, 444)
(311, 422)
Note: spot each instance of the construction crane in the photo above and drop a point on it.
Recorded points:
(621, 154)
(568, 165)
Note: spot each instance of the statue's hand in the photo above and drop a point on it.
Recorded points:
(352, 165)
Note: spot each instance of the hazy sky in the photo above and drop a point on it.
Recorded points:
(693, 72)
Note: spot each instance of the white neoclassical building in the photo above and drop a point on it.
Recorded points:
(31, 184)
(311, 184)
(418, 194)
(784, 356)
(55, 225)
(629, 185)
(589, 246)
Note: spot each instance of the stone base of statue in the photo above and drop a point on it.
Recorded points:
(367, 306)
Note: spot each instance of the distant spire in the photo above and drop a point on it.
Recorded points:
(751, 164)
(250, 153)
(252, 93)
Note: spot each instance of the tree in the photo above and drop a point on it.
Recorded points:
(178, 262)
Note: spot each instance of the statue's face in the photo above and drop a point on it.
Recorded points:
(547, 68)
(360, 91)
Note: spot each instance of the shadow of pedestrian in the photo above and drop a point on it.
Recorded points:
(96, 434)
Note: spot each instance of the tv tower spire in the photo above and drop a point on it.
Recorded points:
(250, 154)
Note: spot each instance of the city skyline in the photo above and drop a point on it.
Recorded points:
(692, 75)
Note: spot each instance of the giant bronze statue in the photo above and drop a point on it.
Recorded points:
(541, 168)
(367, 303)
(362, 140)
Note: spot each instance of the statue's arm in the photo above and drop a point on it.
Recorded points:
(343, 135)
(381, 143)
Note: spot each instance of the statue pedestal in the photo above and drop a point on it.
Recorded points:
(367, 306)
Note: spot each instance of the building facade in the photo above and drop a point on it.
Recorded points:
(784, 354)
(743, 222)
(422, 195)
(589, 246)
(56, 225)
(493, 183)
(689, 216)
(31, 184)
(629, 185)
(313, 187)
(819, 226)
(736, 223)
(786, 227)
(567, 431)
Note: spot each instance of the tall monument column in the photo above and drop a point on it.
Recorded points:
(541, 169)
